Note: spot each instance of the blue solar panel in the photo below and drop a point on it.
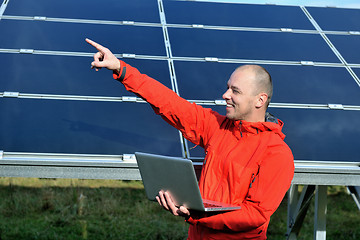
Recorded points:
(336, 19)
(101, 127)
(346, 45)
(69, 75)
(235, 15)
(357, 72)
(84, 127)
(202, 80)
(321, 134)
(293, 84)
(318, 85)
(118, 10)
(71, 37)
(241, 45)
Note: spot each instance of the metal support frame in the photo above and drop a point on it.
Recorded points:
(355, 193)
(320, 212)
(82, 166)
(315, 178)
(297, 208)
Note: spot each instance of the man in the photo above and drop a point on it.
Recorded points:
(247, 162)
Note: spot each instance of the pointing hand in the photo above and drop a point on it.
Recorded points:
(103, 58)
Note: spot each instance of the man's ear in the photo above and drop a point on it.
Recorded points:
(261, 100)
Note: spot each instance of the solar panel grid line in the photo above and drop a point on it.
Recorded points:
(346, 33)
(324, 64)
(184, 146)
(229, 28)
(3, 7)
(315, 106)
(71, 97)
(195, 59)
(354, 65)
(353, 74)
(167, 44)
(355, 108)
(168, 48)
(79, 54)
(333, 48)
(173, 76)
(77, 20)
(148, 24)
(256, 61)
(19, 95)
(254, 29)
(6, 50)
(327, 106)
(354, 32)
(11, 17)
(183, 141)
(148, 57)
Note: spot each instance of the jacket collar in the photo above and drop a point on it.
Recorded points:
(271, 124)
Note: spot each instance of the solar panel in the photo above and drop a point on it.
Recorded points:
(320, 134)
(345, 44)
(49, 74)
(187, 42)
(357, 71)
(294, 84)
(336, 19)
(235, 15)
(83, 9)
(59, 36)
(318, 85)
(204, 73)
(54, 103)
(55, 126)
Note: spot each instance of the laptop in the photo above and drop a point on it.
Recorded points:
(177, 176)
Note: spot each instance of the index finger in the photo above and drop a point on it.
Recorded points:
(171, 203)
(95, 44)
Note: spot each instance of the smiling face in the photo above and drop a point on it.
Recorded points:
(243, 102)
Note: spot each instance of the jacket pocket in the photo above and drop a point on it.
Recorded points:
(253, 183)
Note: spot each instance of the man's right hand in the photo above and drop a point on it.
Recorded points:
(103, 58)
(164, 199)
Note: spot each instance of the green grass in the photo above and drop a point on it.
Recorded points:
(108, 209)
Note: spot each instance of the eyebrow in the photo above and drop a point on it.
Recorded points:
(234, 88)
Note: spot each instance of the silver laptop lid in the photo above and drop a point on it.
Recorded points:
(175, 175)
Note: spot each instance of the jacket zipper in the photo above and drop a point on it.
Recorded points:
(253, 180)
(240, 129)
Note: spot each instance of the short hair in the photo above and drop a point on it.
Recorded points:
(263, 80)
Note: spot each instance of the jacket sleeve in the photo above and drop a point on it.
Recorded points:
(191, 119)
(263, 198)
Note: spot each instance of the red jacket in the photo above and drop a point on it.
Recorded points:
(246, 163)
